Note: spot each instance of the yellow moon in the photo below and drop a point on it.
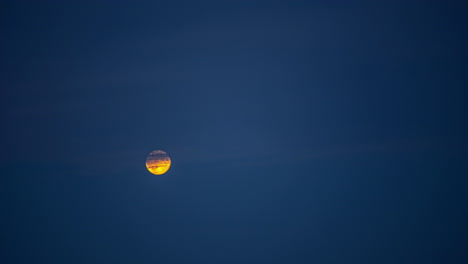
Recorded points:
(158, 162)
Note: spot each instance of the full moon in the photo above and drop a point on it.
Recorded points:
(158, 162)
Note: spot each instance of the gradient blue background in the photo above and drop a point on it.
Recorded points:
(300, 131)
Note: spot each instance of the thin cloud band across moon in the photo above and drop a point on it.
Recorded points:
(158, 162)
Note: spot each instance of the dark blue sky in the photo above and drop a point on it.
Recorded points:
(300, 131)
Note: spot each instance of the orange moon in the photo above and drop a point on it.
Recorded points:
(158, 162)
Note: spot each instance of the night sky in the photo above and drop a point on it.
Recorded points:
(299, 132)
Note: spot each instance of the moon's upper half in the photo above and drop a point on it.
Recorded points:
(158, 162)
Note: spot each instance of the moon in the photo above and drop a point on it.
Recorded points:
(158, 162)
